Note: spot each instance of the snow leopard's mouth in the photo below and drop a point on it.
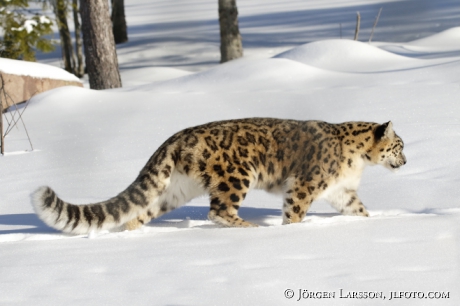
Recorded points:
(396, 167)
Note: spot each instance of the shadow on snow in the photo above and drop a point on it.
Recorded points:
(260, 216)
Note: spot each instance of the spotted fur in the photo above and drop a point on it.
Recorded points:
(302, 160)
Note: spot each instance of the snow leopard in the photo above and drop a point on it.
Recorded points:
(301, 160)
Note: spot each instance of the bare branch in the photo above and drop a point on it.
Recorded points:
(19, 117)
(24, 125)
(2, 144)
(12, 114)
(358, 22)
(14, 121)
(375, 24)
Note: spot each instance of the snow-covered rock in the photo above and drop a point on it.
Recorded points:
(25, 79)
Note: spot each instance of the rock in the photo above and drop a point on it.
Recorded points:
(23, 80)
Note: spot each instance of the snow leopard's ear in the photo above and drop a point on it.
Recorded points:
(384, 131)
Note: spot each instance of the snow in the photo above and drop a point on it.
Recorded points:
(28, 26)
(446, 40)
(89, 145)
(36, 70)
(140, 76)
(44, 19)
(347, 56)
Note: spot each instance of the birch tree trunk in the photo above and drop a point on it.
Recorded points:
(230, 38)
(100, 52)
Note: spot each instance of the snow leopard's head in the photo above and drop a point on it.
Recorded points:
(387, 149)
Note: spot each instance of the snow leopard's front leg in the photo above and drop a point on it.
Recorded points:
(295, 209)
(347, 202)
(297, 200)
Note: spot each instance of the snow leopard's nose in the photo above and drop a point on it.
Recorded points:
(403, 159)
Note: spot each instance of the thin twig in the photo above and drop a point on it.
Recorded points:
(2, 144)
(24, 125)
(12, 114)
(20, 116)
(6, 100)
(6, 95)
(358, 21)
(14, 121)
(375, 24)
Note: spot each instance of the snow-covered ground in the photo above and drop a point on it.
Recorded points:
(89, 145)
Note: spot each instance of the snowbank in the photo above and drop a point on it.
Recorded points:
(446, 40)
(348, 56)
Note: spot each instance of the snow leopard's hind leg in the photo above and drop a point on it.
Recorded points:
(226, 198)
(181, 188)
(137, 222)
(155, 176)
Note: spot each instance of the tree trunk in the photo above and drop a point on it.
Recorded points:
(100, 52)
(230, 38)
(119, 21)
(60, 8)
(79, 69)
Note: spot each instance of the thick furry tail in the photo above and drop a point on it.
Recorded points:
(141, 196)
(82, 219)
